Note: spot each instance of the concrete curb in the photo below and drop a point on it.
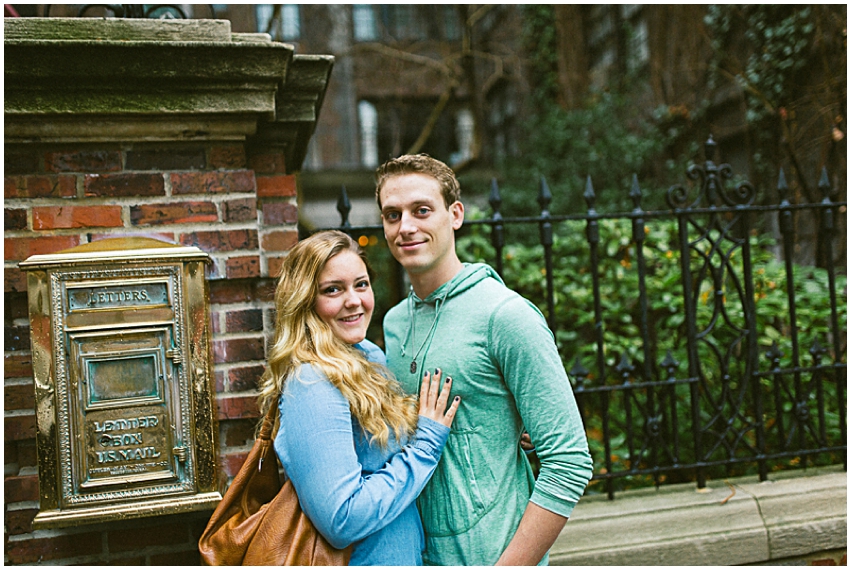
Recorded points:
(737, 521)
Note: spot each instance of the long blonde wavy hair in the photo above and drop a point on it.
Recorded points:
(302, 337)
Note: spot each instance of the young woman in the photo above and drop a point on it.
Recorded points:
(358, 451)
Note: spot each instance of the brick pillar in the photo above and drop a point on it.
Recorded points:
(73, 178)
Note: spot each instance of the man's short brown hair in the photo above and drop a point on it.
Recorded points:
(419, 164)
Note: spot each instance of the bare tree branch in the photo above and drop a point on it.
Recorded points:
(407, 56)
(432, 120)
(276, 17)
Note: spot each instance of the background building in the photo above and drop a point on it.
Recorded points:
(463, 83)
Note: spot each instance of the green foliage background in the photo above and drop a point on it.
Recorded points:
(576, 333)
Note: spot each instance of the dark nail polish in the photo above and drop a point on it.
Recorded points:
(457, 398)
(437, 370)
(448, 379)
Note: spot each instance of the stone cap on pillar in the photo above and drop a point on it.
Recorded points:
(85, 80)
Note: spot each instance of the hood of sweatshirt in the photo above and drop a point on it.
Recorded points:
(470, 275)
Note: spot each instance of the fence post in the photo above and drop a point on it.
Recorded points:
(497, 229)
(638, 235)
(749, 308)
(827, 233)
(544, 199)
(787, 230)
(592, 232)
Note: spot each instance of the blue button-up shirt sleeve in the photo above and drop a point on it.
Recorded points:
(315, 443)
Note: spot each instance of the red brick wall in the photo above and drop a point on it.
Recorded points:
(240, 209)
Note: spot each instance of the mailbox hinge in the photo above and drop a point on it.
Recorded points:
(174, 355)
(180, 453)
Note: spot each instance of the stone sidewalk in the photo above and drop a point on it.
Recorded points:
(735, 521)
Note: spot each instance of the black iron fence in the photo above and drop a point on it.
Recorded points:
(700, 354)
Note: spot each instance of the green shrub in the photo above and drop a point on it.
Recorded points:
(720, 317)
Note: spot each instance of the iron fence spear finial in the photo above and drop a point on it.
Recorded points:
(670, 364)
(785, 214)
(782, 186)
(344, 206)
(625, 367)
(590, 197)
(709, 148)
(495, 200)
(824, 183)
(817, 351)
(635, 192)
(592, 230)
(544, 197)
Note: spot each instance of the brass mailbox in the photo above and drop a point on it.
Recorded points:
(124, 404)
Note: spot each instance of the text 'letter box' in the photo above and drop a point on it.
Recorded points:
(124, 409)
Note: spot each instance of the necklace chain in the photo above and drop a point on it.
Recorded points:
(413, 367)
(414, 359)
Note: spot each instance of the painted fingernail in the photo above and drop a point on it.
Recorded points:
(457, 398)
(448, 379)
(437, 370)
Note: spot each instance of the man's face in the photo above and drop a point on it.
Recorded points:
(419, 228)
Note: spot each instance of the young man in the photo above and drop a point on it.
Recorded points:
(482, 505)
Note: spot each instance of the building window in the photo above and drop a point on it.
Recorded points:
(368, 119)
(291, 25)
(502, 122)
(464, 131)
(638, 47)
(264, 16)
(602, 40)
(363, 19)
(281, 21)
(403, 22)
(451, 25)
(617, 40)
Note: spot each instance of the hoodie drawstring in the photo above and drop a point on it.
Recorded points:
(408, 337)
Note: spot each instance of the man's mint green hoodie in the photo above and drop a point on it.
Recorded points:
(505, 366)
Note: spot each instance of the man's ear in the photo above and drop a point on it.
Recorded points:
(456, 210)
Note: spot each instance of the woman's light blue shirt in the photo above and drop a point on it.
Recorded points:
(354, 492)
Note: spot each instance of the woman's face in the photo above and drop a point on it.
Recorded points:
(345, 300)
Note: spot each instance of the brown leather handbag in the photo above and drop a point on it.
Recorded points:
(260, 523)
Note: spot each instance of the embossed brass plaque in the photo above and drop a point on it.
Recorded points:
(118, 296)
(123, 390)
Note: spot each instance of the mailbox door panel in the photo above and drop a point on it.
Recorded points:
(125, 392)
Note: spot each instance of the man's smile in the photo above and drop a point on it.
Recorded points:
(411, 244)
